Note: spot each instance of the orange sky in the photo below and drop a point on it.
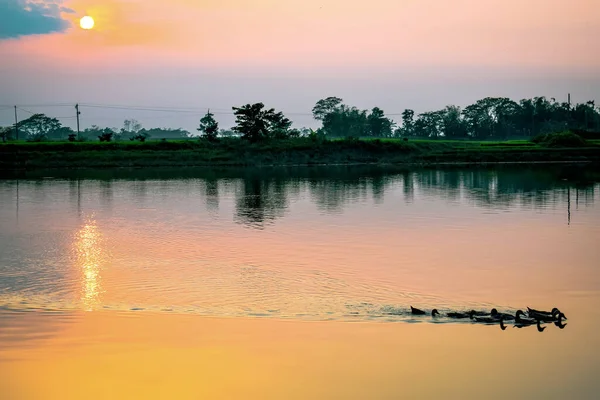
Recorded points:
(393, 54)
(541, 33)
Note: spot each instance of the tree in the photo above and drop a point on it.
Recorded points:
(39, 126)
(453, 125)
(131, 126)
(6, 133)
(279, 125)
(379, 125)
(408, 124)
(346, 121)
(256, 124)
(429, 124)
(209, 127)
(130, 129)
(326, 106)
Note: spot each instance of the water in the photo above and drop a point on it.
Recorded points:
(331, 245)
(343, 243)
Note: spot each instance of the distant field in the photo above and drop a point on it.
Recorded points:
(300, 151)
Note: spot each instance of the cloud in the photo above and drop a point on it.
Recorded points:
(23, 17)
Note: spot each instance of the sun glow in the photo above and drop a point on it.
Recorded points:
(88, 247)
(86, 22)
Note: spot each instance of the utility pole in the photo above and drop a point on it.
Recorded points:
(78, 112)
(569, 100)
(16, 125)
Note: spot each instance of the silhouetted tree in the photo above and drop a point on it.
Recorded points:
(256, 124)
(379, 125)
(209, 127)
(453, 125)
(39, 127)
(6, 133)
(326, 106)
(131, 126)
(279, 125)
(408, 123)
(346, 121)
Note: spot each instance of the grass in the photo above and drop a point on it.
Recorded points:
(301, 151)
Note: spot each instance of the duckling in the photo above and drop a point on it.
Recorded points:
(497, 315)
(461, 315)
(416, 311)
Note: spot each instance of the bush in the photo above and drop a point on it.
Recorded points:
(141, 137)
(106, 137)
(541, 138)
(37, 138)
(562, 139)
(72, 137)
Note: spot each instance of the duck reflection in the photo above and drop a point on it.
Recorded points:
(90, 257)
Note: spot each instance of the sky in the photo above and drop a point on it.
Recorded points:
(181, 57)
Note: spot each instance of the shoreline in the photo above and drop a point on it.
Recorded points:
(286, 153)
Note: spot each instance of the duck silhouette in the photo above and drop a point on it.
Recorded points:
(460, 315)
(559, 323)
(416, 311)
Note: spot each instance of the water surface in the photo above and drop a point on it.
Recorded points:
(96, 258)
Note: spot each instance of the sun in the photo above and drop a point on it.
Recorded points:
(86, 22)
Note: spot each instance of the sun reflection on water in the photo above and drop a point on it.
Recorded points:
(90, 257)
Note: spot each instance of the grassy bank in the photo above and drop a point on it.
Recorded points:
(303, 151)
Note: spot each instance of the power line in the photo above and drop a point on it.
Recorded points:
(165, 108)
(27, 111)
(39, 105)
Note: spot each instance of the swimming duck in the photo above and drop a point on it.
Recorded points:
(460, 315)
(555, 311)
(480, 313)
(547, 318)
(559, 322)
(485, 320)
(520, 322)
(416, 311)
(498, 315)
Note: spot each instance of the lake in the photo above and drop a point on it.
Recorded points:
(297, 282)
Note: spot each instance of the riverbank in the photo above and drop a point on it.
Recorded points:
(302, 151)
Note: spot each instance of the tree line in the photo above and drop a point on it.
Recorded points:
(489, 118)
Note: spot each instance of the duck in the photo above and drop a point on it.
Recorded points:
(555, 311)
(460, 315)
(485, 320)
(498, 315)
(559, 322)
(520, 322)
(480, 313)
(548, 318)
(416, 311)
